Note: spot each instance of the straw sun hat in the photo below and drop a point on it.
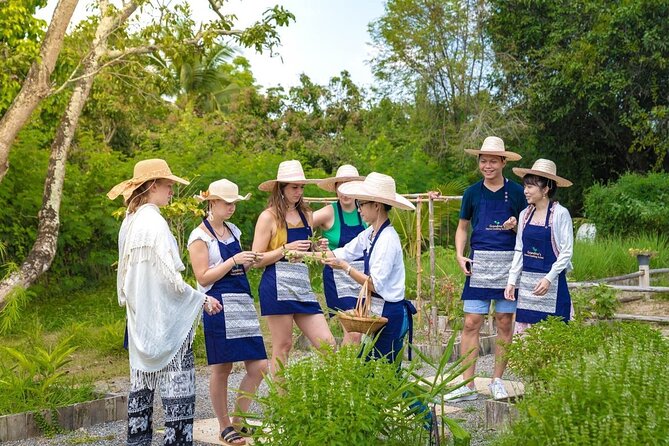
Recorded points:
(543, 168)
(224, 190)
(376, 187)
(493, 145)
(344, 174)
(289, 172)
(144, 171)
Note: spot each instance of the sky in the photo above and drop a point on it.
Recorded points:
(328, 36)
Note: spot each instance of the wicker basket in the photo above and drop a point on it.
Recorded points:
(358, 319)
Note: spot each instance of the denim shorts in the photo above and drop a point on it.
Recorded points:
(483, 306)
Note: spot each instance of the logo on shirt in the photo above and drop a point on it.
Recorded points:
(534, 253)
(496, 225)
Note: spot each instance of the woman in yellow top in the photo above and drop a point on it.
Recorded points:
(285, 290)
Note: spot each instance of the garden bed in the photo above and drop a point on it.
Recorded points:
(111, 407)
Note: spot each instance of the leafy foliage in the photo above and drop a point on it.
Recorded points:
(634, 203)
(20, 37)
(610, 388)
(592, 81)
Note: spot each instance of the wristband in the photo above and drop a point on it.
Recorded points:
(348, 270)
(233, 259)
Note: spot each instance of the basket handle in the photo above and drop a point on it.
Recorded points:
(364, 302)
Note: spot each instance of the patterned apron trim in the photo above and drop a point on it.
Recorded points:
(241, 319)
(528, 301)
(377, 306)
(346, 286)
(490, 269)
(292, 282)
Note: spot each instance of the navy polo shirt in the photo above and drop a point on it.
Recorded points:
(469, 210)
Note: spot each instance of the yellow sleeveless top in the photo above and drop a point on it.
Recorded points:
(280, 238)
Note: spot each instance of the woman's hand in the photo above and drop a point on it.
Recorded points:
(212, 306)
(336, 263)
(298, 245)
(465, 265)
(542, 287)
(323, 244)
(247, 258)
(510, 223)
(510, 292)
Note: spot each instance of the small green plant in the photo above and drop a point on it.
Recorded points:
(38, 380)
(600, 302)
(340, 398)
(49, 428)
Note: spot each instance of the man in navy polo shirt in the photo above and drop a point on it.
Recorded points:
(491, 207)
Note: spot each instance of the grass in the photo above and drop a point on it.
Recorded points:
(608, 257)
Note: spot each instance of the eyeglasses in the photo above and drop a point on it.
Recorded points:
(360, 204)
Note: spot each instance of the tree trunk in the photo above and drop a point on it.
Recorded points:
(36, 87)
(44, 250)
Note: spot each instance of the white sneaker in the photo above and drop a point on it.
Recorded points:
(497, 389)
(463, 393)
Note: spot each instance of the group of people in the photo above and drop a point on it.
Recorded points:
(520, 252)
(518, 258)
(359, 246)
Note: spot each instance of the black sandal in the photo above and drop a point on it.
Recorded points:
(245, 431)
(230, 437)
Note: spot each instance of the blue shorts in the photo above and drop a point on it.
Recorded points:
(483, 306)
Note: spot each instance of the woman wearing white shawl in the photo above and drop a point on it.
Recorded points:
(162, 310)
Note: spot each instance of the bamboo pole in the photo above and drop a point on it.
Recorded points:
(435, 319)
(419, 264)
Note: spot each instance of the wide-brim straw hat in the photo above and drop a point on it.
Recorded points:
(493, 145)
(289, 172)
(344, 174)
(543, 168)
(376, 187)
(145, 170)
(224, 190)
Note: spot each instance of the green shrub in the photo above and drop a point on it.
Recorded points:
(339, 398)
(617, 395)
(633, 204)
(534, 355)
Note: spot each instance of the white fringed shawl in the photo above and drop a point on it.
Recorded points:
(162, 309)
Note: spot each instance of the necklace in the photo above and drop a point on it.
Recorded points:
(218, 233)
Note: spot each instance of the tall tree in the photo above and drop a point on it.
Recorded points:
(100, 56)
(593, 80)
(437, 54)
(37, 84)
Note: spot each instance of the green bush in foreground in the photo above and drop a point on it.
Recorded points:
(604, 384)
(341, 399)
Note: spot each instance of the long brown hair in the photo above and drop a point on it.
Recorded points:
(277, 202)
(139, 196)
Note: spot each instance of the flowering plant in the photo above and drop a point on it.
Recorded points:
(642, 252)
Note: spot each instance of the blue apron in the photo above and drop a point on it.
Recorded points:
(399, 314)
(285, 287)
(234, 333)
(538, 259)
(492, 249)
(341, 291)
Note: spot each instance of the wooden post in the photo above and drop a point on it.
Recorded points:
(432, 269)
(419, 264)
(644, 267)
(499, 413)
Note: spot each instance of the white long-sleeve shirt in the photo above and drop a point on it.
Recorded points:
(386, 264)
(562, 240)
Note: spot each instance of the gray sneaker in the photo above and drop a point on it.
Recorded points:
(463, 393)
(497, 389)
